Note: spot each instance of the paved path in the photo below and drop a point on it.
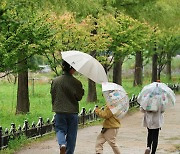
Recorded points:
(131, 137)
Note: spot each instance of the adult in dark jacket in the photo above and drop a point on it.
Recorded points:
(66, 91)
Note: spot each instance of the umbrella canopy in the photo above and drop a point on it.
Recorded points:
(86, 65)
(156, 95)
(116, 98)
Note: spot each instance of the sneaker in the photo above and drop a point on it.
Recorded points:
(63, 149)
(147, 151)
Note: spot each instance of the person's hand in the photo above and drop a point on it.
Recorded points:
(97, 110)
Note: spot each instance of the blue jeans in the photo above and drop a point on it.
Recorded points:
(66, 126)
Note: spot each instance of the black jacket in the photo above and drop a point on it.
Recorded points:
(66, 91)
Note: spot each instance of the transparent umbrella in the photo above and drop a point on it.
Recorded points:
(86, 65)
(116, 98)
(156, 95)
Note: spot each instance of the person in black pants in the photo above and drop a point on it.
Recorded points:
(153, 121)
(152, 139)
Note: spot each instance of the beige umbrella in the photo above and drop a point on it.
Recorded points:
(86, 65)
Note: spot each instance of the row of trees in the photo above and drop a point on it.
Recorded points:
(28, 30)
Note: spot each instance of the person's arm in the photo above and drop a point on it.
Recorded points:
(142, 110)
(80, 92)
(106, 113)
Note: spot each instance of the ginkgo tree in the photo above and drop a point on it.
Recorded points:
(78, 35)
(167, 46)
(128, 36)
(24, 33)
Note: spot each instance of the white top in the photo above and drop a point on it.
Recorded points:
(153, 120)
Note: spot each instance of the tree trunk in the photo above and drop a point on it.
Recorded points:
(168, 66)
(92, 95)
(22, 92)
(154, 67)
(117, 72)
(138, 69)
(159, 75)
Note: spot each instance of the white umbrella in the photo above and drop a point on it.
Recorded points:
(116, 98)
(156, 95)
(86, 65)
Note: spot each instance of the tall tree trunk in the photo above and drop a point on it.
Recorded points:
(138, 69)
(168, 66)
(154, 67)
(117, 72)
(92, 94)
(159, 75)
(22, 92)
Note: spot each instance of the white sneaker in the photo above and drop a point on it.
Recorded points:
(147, 151)
(63, 149)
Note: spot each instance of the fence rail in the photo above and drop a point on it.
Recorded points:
(44, 127)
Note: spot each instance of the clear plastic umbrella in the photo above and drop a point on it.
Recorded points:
(156, 95)
(86, 65)
(116, 98)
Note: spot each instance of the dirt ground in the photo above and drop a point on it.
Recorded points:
(131, 137)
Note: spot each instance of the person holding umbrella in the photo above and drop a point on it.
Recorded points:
(154, 99)
(66, 91)
(117, 105)
(109, 131)
(153, 121)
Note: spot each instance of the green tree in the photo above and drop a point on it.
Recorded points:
(168, 46)
(127, 36)
(163, 14)
(73, 35)
(24, 34)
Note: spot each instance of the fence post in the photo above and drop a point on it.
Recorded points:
(0, 137)
(94, 113)
(53, 120)
(25, 127)
(83, 115)
(39, 125)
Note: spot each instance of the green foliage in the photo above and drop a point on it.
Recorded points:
(24, 33)
(128, 35)
(73, 35)
(163, 13)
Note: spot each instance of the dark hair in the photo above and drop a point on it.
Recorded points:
(66, 67)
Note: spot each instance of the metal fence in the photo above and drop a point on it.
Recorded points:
(44, 127)
(174, 87)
